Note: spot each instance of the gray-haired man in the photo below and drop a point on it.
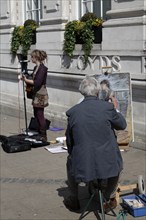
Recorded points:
(92, 145)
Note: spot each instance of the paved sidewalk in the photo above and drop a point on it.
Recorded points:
(33, 183)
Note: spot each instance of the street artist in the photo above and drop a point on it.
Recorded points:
(92, 145)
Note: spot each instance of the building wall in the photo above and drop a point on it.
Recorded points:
(123, 47)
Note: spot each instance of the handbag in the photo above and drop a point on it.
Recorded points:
(41, 98)
(33, 125)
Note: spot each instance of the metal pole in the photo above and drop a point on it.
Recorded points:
(23, 63)
(25, 111)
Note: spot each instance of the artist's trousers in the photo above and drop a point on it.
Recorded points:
(109, 192)
(39, 115)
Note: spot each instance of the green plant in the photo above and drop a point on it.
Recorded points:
(23, 36)
(27, 39)
(16, 38)
(82, 29)
(89, 16)
(69, 38)
(97, 22)
(31, 23)
(87, 36)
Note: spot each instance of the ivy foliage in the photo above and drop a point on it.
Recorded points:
(23, 36)
(83, 30)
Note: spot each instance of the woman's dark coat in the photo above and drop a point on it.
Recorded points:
(40, 77)
(40, 94)
(92, 146)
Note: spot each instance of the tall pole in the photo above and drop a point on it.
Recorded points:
(23, 61)
(25, 111)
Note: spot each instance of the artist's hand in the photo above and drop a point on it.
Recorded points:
(114, 101)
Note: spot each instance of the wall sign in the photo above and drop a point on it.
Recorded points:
(104, 61)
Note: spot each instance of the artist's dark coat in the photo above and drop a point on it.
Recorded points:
(91, 140)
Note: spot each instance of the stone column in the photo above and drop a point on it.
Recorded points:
(124, 34)
(126, 28)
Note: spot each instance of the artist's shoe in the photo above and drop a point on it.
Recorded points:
(72, 203)
(111, 204)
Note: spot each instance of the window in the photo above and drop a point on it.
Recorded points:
(33, 9)
(99, 7)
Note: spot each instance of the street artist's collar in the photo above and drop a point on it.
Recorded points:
(91, 98)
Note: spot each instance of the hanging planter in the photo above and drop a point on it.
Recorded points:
(34, 37)
(23, 37)
(86, 31)
(97, 34)
(78, 39)
(33, 25)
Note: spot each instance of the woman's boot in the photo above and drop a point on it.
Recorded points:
(43, 135)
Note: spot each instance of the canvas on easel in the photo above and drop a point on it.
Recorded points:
(120, 84)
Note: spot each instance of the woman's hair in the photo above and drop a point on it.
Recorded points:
(40, 55)
(89, 86)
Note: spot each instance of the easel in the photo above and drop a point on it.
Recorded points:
(124, 137)
(114, 79)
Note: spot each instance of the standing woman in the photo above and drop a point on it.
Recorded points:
(40, 94)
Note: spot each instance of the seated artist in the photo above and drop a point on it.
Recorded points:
(92, 146)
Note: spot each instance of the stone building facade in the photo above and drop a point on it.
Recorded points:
(123, 47)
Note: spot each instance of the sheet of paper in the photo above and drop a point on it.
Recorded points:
(57, 149)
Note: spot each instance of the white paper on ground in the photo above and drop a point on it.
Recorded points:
(57, 149)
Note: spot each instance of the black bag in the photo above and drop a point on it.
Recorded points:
(15, 143)
(33, 125)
